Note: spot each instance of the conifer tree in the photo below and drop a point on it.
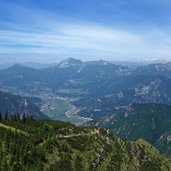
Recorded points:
(0, 116)
(6, 116)
(17, 116)
(24, 118)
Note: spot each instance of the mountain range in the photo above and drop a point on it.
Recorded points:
(96, 88)
(134, 102)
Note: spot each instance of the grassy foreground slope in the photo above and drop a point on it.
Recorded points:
(34, 145)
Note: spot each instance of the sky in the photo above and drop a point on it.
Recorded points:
(51, 30)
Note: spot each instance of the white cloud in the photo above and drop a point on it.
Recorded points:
(48, 33)
(70, 36)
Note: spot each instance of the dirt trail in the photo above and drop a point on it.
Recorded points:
(14, 129)
(96, 131)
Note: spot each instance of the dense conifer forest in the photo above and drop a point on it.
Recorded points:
(27, 144)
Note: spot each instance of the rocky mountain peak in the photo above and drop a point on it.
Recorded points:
(69, 62)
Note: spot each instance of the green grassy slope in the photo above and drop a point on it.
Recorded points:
(29, 145)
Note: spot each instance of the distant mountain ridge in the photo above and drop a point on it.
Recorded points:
(100, 87)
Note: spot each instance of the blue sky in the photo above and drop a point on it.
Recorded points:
(48, 31)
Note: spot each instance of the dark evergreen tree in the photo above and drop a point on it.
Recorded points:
(24, 118)
(0, 116)
(6, 116)
(17, 116)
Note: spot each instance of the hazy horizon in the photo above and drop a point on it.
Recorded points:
(43, 31)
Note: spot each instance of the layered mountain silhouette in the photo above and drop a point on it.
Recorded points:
(99, 86)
